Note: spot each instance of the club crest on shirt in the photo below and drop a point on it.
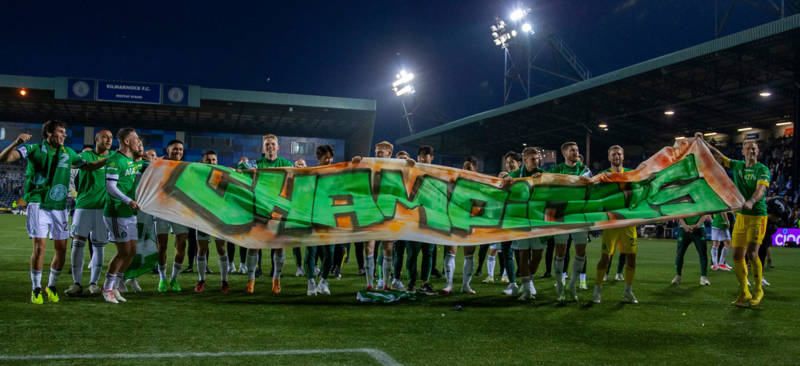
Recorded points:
(58, 192)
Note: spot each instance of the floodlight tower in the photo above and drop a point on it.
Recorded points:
(403, 86)
(505, 35)
(502, 35)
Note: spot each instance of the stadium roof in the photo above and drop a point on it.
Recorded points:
(85, 101)
(712, 87)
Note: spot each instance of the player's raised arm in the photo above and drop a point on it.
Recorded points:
(10, 154)
(94, 165)
(718, 156)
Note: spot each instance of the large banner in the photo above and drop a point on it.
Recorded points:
(391, 199)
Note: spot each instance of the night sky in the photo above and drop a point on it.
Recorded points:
(343, 48)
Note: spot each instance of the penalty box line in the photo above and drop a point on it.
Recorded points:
(381, 357)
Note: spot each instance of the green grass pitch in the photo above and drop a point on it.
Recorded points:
(686, 324)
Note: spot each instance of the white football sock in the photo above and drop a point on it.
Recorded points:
(577, 264)
(108, 285)
(469, 263)
(251, 262)
(369, 268)
(558, 267)
(202, 263)
(723, 255)
(714, 254)
(53, 279)
(119, 278)
(278, 259)
(387, 270)
(76, 257)
(176, 270)
(490, 262)
(162, 272)
(97, 263)
(223, 268)
(36, 279)
(449, 268)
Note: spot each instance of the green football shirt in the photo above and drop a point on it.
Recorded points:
(747, 180)
(692, 220)
(624, 169)
(523, 172)
(48, 173)
(91, 185)
(123, 170)
(718, 221)
(563, 168)
(263, 163)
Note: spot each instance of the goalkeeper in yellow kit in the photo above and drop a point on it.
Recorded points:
(752, 180)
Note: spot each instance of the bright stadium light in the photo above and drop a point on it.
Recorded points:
(527, 28)
(23, 92)
(408, 89)
(603, 125)
(709, 134)
(501, 34)
(669, 112)
(517, 14)
(744, 129)
(680, 138)
(765, 93)
(783, 123)
(404, 86)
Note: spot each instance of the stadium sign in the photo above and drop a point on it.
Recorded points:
(127, 92)
(390, 199)
(783, 236)
(124, 91)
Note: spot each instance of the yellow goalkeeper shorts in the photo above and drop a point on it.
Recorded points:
(748, 229)
(624, 237)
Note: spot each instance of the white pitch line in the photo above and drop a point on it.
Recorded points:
(378, 355)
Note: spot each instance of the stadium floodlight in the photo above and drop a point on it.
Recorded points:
(786, 123)
(407, 89)
(765, 93)
(518, 14)
(669, 112)
(23, 92)
(603, 125)
(527, 28)
(501, 34)
(709, 134)
(744, 129)
(403, 85)
(679, 137)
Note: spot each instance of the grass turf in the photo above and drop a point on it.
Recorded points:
(686, 324)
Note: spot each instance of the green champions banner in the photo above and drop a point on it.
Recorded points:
(390, 199)
(146, 258)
